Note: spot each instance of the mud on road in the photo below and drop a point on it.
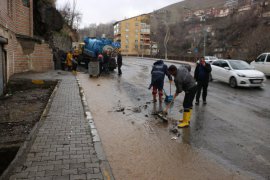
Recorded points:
(138, 145)
(20, 109)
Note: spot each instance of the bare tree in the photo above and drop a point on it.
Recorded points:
(94, 30)
(70, 14)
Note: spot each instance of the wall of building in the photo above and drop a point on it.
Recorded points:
(24, 18)
(32, 56)
(16, 19)
(130, 36)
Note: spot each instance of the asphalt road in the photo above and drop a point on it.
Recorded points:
(228, 138)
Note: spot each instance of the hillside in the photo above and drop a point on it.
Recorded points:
(225, 30)
(196, 4)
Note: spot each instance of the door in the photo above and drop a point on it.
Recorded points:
(259, 62)
(266, 68)
(216, 70)
(224, 73)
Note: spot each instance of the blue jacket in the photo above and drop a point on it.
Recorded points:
(158, 72)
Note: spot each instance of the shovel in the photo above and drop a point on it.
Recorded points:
(169, 98)
(162, 115)
(165, 111)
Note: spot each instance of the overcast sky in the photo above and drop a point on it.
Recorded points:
(104, 11)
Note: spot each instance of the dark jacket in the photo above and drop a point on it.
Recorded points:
(158, 72)
(183, 80)
(119, 59)
(202, 73)
(106, 58)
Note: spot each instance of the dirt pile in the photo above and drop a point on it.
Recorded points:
(20, 109)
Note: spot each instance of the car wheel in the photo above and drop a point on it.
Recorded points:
(233, 82)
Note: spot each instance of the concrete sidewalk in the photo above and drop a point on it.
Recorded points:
(63, 146)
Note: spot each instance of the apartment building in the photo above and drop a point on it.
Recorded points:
(134, 35)
(20, 51)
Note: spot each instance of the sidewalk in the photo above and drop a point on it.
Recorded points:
(63, 146)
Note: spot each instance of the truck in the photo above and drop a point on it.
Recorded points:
(95, 46)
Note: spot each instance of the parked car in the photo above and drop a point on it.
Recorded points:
(210, 59)
(237, 73)
(262, 63)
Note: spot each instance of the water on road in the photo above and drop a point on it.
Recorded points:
(228, 138)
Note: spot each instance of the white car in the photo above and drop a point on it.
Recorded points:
(210, 59)
(237, 73)
(262, 63)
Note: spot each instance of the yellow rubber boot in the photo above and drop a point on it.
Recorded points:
(185, 122)
(190, 111)
(189, 115)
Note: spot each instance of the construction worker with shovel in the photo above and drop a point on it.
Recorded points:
(184, 82)
(158, 73)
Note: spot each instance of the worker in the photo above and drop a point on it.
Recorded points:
(201, 75)
(100, 60)
(106, 59)
(74, 65)
(184, 82)
(119, 62)
(69, 60)
(158, 73)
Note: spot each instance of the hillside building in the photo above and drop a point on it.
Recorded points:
(134, 35)
(20, 51)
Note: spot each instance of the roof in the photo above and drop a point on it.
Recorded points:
(130, 18)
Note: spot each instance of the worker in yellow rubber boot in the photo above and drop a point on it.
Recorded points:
(184, 82)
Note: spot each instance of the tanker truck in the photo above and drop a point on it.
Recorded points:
(95, 46)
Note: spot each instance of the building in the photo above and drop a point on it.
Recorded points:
(134, 35)
(20, 51)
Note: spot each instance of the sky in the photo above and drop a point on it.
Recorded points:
(104, 11)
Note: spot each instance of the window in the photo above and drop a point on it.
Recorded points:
(126, 46)
(127, 29)
(126, 41)
(224, 64)
(127, 36)
(268, 58)
(26, 3)
(261, 58)
(136, 46)
(216, 63)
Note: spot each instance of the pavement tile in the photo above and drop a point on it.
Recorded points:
(63, 148)
(78, 177)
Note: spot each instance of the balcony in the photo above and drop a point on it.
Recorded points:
(145, 31)
(145, 38)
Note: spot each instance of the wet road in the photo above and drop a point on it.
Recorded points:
(228, 138)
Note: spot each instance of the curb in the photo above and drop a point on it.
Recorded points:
(171, 61)
(104, 164)
(25, 147)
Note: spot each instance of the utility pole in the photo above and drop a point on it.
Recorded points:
(204, 37)
(166, 39)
